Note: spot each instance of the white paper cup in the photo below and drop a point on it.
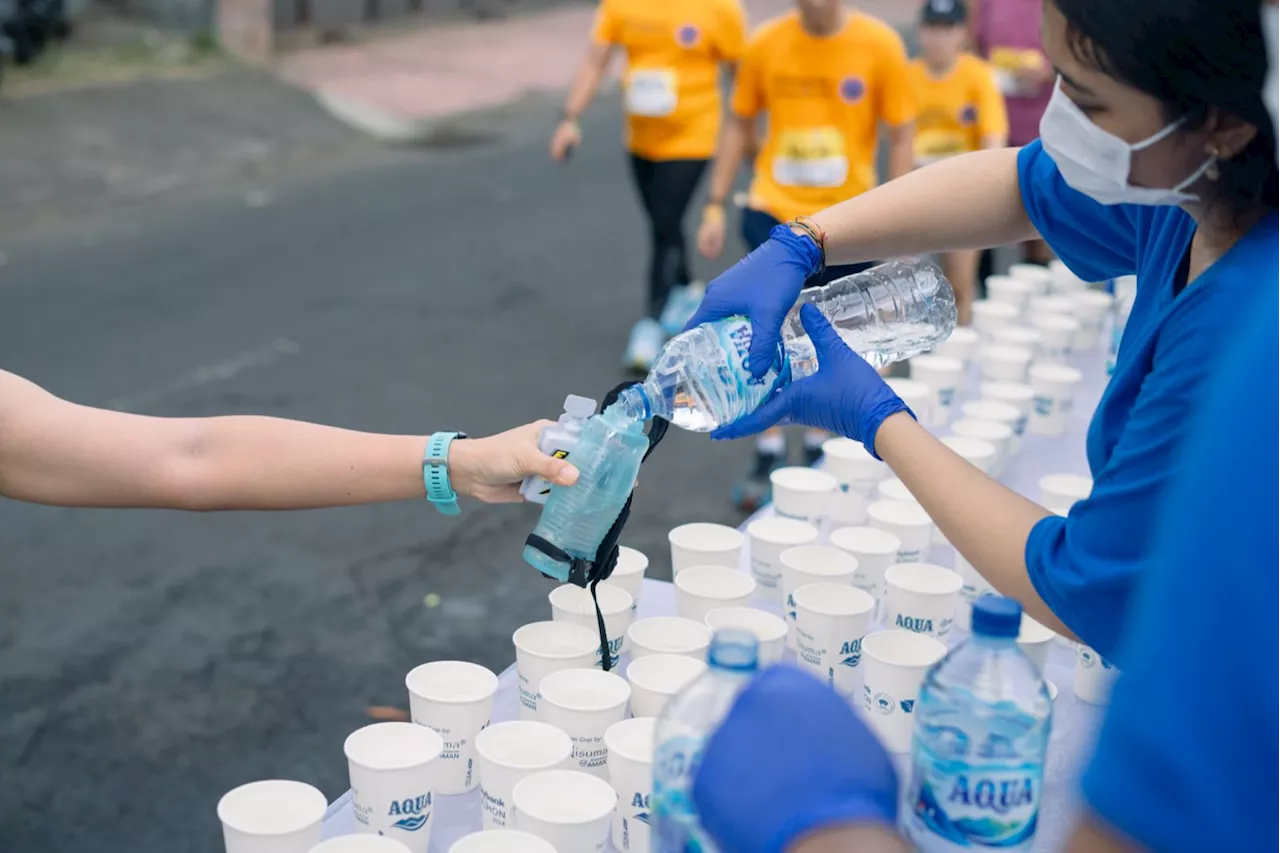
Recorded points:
(583, 703)
(455, 698)
(361, 844)
(989, 315)
(1094, 676)
(1064, 280)
(943, 377)
(501, 841)
(628, 573)
(1091, 309)
(831, 620)
(1001, 363)
(703, 544)
(573, 604)
(393, 769)
(1059, 492)
(893, 668)
(998, 435)
(857, 472)
(909, 522)
(917, 395)
(508, 752)
(568, 809)
(975, 586)
(894, 489)
(546, 647)
(272, 816)
(1052, 304)
(875, 550)
(804, 494)
(1010, 290)
(654, 679)
(630, 745)
(1054, 386)
(921, 598)
(813, 564)
(1023, 337)
(1039, 277)
(707, 587)
(769, 537)
(980, 454)
(1000, 412)
(769, 629)
(1015, 394)
(962, 345)
(1035, 639)
(1125, 285)
(1057, 335)
(669, 635)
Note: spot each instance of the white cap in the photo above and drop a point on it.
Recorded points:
(579, 407)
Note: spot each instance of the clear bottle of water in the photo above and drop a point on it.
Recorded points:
(981, 731)
(890, 312)
(575, 520)
(682, 730)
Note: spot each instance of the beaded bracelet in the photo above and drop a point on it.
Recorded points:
(816, 234)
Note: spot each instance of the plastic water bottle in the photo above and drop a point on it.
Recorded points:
(686, 723)
(559, 441)
(701, 379)
(575, 519)
(977, 752)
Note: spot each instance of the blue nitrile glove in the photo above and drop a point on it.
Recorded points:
(762, 287)
(791, 758)
(845, 396)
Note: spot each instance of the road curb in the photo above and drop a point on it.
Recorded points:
(382, 125)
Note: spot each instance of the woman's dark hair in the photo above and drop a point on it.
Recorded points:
(1191, 55)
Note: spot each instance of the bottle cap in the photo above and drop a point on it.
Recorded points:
(734, 649)
(579, 407)
(996, 616)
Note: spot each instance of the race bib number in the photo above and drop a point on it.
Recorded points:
(813, 157)
(651, 92)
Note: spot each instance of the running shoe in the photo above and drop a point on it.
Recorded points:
(683, 300)
(642, 348)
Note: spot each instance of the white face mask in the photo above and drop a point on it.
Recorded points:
(1270, 28)
(1096, 163)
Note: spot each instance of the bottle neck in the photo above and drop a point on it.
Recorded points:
(990, 642)
(634, 404)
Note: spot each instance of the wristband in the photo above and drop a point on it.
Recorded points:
(713, 211)
(435, 472)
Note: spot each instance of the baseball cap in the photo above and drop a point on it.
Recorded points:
(944, 13)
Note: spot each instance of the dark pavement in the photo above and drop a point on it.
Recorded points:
(149, 661)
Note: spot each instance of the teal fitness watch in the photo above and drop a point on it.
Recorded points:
(435, 472)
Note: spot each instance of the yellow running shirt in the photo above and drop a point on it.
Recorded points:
(824, 98)
(956, 111)
(672, 83)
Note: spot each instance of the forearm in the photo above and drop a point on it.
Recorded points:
(995, 142)
(734, 137)
(901, 151)
(967, 202)
(587, 81)
(848, 839)
(986, 522)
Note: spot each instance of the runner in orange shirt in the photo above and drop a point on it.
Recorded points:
(675, 52)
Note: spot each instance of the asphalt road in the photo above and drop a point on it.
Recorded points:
(149, 661)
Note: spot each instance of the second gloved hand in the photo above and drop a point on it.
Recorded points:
(846, 395)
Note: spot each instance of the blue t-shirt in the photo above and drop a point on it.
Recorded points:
(1185, 760)
(1085, 566)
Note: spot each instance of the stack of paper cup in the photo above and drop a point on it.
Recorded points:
(1039, 277)
(566, 808)
(1010, 290)
(989, 316)
(917, 395)
(1057, 335)
(770, 630)
(804, 494)
(831, 620)
(1002, 413)
(363, 844)
(1094, 676)
(769, 537)
(961, 344)
(921, 597)
(508, 752)
(1015, 394)
(1023, 337)
(660, 635)
(858, 472)
(907, 521)
(874, 550)
(501, 841)
(1035, 639)
(701, 589)
(996, 434)
(893, 668)
(812, 564)
(980, 454)
(272, 816)
(1002, 363)
(574, 605)
(1091, 307)
(975, 586)
(455, 698)
(1053, 304)
(1064, 280)
(702, 544)
(393, 770)
(583, 703)
(654, 679)
(628, 574)
(630, 745)
(944, 377)
(546, 647)
(1054, 386)
(1059, 492)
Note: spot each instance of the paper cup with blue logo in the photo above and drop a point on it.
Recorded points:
(701, 589)
(979, 454)
(997, 412)
(704, 544)
(1038, 276)
(909, 522)
(1035, 639)
(360, 844)
(630, 745)
(875, 550)
(1024, 337)
(831, 620)
(628, 573)
(1094, 676)
(272, 816)
(1003, 363)
(943, 376)
(455, 698)
(656, 678)
(574, 605)
(921, 598)
(394, 768)
(1016, 394)
(893, 667)
(669, 635)
(1057, 336)
(989, 315)
(508, 752)
(769, 537)
(1060, 492)
(769, 629)
(917, 395)
(804, 494)
(546, 647)
(1010, 290)
(566, 808)
(962, 345)
(975, 586)
(501, 841)
(1055, 387)
(583, 703)
(1091, 309)
(813, 564)
(998, 435)
(857, 472)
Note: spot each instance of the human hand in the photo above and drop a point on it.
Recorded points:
(790, 758)
(763, 287)
(567, 136)
(846, 395)
(711, 231)
(492, 468)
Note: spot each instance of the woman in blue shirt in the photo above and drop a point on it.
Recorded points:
(1156, 158)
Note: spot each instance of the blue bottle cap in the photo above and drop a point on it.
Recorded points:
(734, 649)
(996, 616)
